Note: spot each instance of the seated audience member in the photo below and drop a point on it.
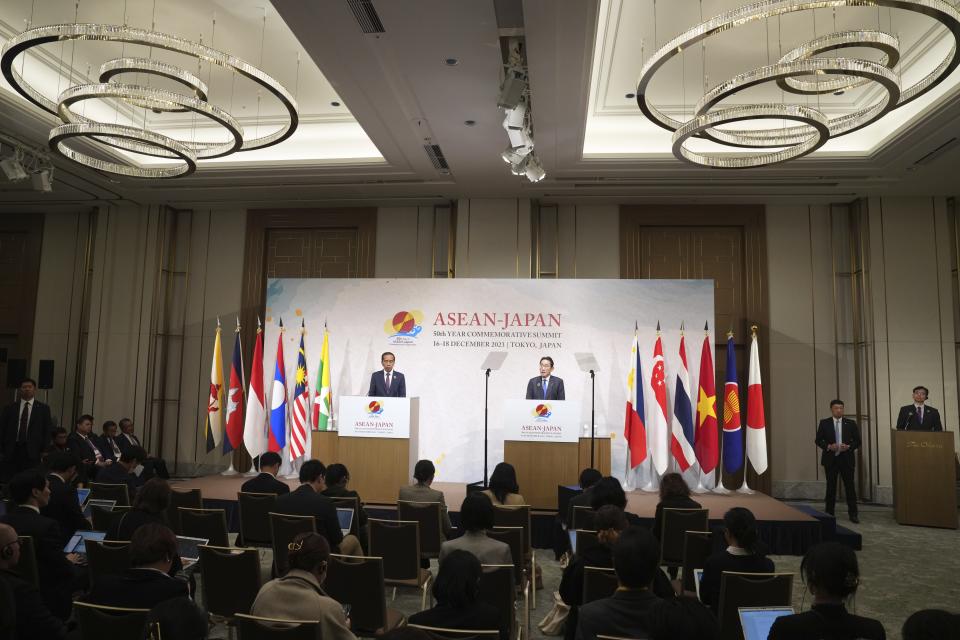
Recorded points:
(151, 466)
(307, 501)
(609, 491)
(832, 575)
(476, 516)
(685, 618)
(421, 491)
(107, 442)
(588, 479)
(64, 506)
(504, 490)
(58, 443)
(743, 554)
(636, 555)
(931, 624)
(337, 477)
(299, 595)
(609, 523)
(674, 494)
(23, 613)
(124, 471)
(59, 577)
(266, 481)
(82, 443)
(149, 507)
(456, 590)
(153, 551)
(179, 618)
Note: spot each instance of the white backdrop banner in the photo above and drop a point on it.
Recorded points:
(442, 330)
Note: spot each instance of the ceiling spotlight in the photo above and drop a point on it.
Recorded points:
(512, 89)
(13, 167)
(451, 62)
(43, 180)
(519, 168)
(534, 170)
(516, 155)
(515, 117)
(520, 138)
(334, 103)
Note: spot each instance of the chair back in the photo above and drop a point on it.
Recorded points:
(97, 622)
(107, 558)
(104, 491)
(103, 519)
(255, 511)
(697, 546)
(209, 524)
(349, 502)
(191, 499)
(676, 522)
(231, 579)
(441, 633)
(283, 529)
(513, 537)
(398, 543)
(750, 590)
(256, 628)
(358, 581)
(586, 540)
(428, 514)
(496, 588)
(516, 516)
(27, 567)
(598, 582)
(584, 518)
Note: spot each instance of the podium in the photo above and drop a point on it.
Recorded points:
(924, 481)
(378, 442)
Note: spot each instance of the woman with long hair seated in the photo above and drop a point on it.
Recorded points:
(456, 591)
(744, 553)
(299, 594)
(504, 489)
(832, 575)
(674, 494)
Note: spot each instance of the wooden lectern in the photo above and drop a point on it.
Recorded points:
(924, 481)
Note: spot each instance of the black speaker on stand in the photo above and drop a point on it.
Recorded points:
(16, 372)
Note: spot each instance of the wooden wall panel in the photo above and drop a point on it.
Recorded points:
(20, 240)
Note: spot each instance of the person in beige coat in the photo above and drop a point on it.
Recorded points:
(421, 491)
(299, 595)
(476, 516)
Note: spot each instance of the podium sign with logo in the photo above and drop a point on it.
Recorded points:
(373, 417)
(541, 420)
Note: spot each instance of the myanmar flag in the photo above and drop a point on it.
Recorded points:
(323, 400)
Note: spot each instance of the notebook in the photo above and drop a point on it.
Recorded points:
(93, 502)
(756, 621)
(78, 541)
(346, 520)
(82, 495)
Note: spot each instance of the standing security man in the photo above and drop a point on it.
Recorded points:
(839, 437)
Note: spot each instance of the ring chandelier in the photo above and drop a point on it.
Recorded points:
(833, 74)
(111, 86)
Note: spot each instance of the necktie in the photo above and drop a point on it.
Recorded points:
(920, 414)
(836, 427)
(96, 452)
(24, 423)
(116, 449)
(389, 381)
(545, 388)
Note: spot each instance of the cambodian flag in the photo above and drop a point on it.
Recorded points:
(732, 425)
(278, 401)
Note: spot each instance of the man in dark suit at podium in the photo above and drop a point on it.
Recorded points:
(918, 416)
(546, 386)
(388, 383)
(839, 437)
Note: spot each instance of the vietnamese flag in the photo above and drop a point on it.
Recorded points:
(706, 442)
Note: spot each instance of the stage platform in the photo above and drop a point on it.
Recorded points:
(785, 530)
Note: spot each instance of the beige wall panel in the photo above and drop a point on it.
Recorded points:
(792, 417)
(398, 250)
(489, 238)
(567, 240)
(597, 242)
(791, 286)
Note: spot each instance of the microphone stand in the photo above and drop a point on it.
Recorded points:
(593, 421)
(486, 409)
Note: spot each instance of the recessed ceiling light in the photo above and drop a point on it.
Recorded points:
(334, 103)
(631, 96)
(838, 92)
(451, 62)
(469, 123)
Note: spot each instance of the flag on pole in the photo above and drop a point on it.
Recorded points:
(732, 432)
(634, 430)
(658, 422)
(301, 405)
(323, 401)
(254, 426)
(235, 398)
(707, 445)
(213, 429)
(756, 423)
(681, 427)
(278, 401)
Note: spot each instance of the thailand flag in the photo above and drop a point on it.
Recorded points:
(681, 427)
(732, 431)
(278, 401)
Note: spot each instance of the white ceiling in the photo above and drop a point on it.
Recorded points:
(583, 56)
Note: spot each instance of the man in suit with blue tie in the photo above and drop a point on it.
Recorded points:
(839, 437)
(546, 386)
(388, 383)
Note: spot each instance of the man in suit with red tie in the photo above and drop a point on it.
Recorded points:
(839, 437)
(25, 428)
(918, 416)
(388, 383)
(546, 386)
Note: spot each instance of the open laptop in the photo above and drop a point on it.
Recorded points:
(190, 549)
(346, 520)
(93, 502)
(78, 541)
(756, 621)
(697, 578)
(82, 495)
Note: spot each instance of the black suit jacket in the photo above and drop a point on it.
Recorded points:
(623, 614)
(829, 621)
(478, 616)
(671, 502)
(64, 507)
(307, 502)
(716, 564)
(125, 444)
(32, 619)
(554, 389)
(106, 448)
(908, 420)
(39, 430)
(81, 447)
(378, 386)
(827, 435)
(116, 474)
(136, 588)
(265, 483)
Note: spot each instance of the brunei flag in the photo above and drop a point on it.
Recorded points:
(323, 400)
(732, 425)
(213, 429)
